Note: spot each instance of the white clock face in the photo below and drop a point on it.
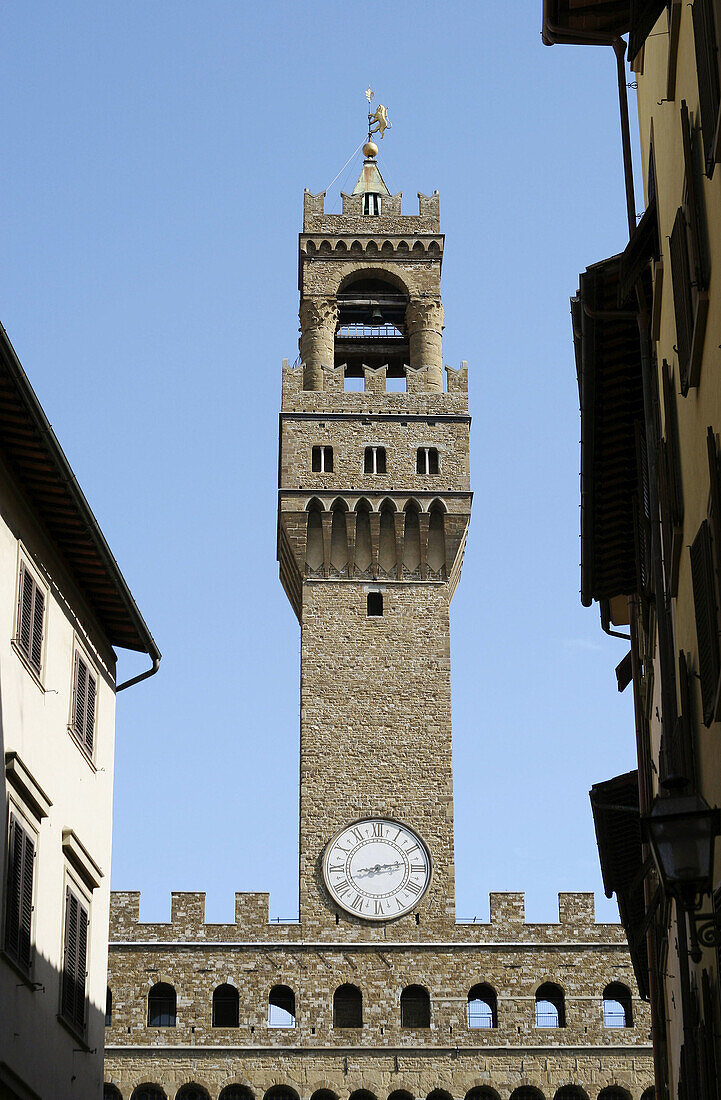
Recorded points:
(377, 868)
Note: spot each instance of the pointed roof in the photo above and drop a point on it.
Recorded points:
(370, 180)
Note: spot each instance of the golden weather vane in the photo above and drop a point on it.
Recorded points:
(378, 123)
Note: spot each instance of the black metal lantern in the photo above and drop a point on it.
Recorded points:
(681, 830)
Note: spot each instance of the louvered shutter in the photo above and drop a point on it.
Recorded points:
(642, 514)
(682, 301)
(694, 208)
(90, 712)
(704, 599)
(19, 907)
(25, 610)
(670, 489)
(74, 960)
(644, 15)
(704, 32)
(36, 651)
(84, 695)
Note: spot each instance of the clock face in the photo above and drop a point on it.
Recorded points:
(377, 868)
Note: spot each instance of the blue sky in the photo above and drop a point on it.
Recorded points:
(154, 161)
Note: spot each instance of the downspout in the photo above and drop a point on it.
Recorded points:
(143, 675)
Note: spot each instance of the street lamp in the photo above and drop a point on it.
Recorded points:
(681, 830)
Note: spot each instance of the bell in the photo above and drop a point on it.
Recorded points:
(376, 317)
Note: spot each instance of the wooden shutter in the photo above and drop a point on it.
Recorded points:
(682, 301)
(84, 695)
(704, 33)
(31, 618)
(19, 907)
(644, 15)
(74, 960)
(704, 599)
(642, 516)
(694, 206)
(670, 488)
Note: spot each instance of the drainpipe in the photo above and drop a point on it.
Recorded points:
(142, 676)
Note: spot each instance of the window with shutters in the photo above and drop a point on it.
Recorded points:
(427, 460)
(707, 68)
(670, 486)
(30, 628)
(19, 893)
(75, 960)
(375, 460)
(322, 460)
(704, 600)
(84, 702)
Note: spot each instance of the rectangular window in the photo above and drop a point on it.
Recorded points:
(85, 688)
(371, 203)
(427, 461)
(375, 460)
(704, 32)
(75, 957)
(31, 618)
(19, 892)
(704, 601)
(375, 604)
(322, 460)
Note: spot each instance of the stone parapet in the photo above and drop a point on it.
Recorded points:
(421, 399)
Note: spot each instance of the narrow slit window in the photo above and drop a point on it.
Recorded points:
(371, 203)
(322, 460)
(427, 461)
(375, 460)
(375, 604)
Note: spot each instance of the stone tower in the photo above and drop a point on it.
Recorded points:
(377, 992)
(374, 504)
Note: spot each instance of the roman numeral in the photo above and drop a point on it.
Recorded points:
(357, 903)
(358, 834)
(416, 868)
(343, 888)
(413, 888)
(377, 828)
(415, 848)
(395, 838)
(398, 904)
(378, 908)
(338, 867)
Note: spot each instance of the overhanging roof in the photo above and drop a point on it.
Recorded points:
(608, 367)
(617, 822)
(582, 22)
(32, 453)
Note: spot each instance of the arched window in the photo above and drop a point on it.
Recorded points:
(192, 1092)
(482, 1008)
(427, 460)
(401, 1094)
(649, 1094)
(550, 1007)
(571, 1092)
(362, 1094)
(614, 1092)
(527, 1092)
(438, 1094)
(415, 1007)
(108, 1008)
(281, 1092)
(324, 1094)
(617, 1006)
(149, 1092)
(226, 1006)
(374, 461)
(236, 1092)
(161, 1006)
(281, 1007)
(482, 1092)
(110, 1092)
(347, 1006)
(371, 327)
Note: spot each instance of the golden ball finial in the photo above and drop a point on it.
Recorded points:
(370, 149)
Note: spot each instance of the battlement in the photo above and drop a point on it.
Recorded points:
(352, 220)
(577, 923)
(419, 397)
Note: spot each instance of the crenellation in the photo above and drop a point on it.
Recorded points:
(187, 914)
(577, 909)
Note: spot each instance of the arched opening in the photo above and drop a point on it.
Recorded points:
(649, 1094)
(436, 555)
(482, 1092)
(415, 1007)
(571, 1092)
(108, 1008)
(614, 1092)
(281, 1092)
(412, 541)
(348, 1006)
(281, 1007)
(324, 1094)
(363, 554)
(362, 1094)
(236, 1092)
(338, 540)
(387, 542)
(314, 539)
(372, 324)
(482, 1007)
(162, 1006)
(617, 1010)
(110, 1092)
(401, 1094)
(192, 1092)
(550, 1006)
(226, 1006)
(149, 1092)
(438, 1094)
(527, 1092)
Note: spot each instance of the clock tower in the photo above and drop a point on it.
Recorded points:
(374, 505)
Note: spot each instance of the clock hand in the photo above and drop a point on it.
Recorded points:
(377, 869)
